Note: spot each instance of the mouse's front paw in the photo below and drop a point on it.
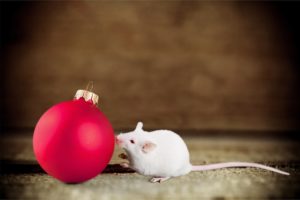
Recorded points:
(123, 156)
(125, 165)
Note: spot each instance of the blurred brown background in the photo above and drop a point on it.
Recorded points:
(177, 64)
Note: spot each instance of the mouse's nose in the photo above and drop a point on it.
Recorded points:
(118, 141)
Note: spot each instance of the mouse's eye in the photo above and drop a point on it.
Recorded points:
(132, 141)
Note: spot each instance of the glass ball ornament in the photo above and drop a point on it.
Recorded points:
(73, 141)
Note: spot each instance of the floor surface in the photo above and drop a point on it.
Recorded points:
(22, 178)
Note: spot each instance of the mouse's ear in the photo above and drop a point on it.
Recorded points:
(148, 147)
(139, 126)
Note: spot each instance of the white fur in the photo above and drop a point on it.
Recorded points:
(169, 158)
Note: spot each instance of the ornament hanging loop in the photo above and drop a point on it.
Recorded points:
(90, 86)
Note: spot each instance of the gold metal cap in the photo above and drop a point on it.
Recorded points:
(87, 95)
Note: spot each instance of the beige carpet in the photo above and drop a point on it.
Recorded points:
(22, 179)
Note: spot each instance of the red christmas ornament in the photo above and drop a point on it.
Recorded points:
(73, 141)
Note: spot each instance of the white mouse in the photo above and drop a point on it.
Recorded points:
(162, 154)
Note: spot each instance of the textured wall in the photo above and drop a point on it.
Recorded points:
(175, 65)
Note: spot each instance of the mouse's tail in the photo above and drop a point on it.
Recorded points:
(236, 164)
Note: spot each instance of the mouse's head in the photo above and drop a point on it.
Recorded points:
(136, 142)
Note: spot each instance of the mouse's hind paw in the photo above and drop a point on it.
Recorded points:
(158, 179)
